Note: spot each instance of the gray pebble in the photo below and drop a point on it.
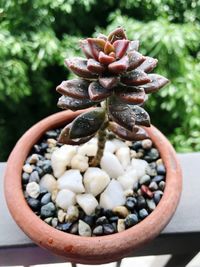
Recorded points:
(48, 210)
(46, 199)
(108, 229)
(131, 220)
(151, 171)
(162, 185)
(153, 186)
(161, 169)
(101, 220)
(145, 179)
(98, 230)
(158, 178)
(54, 222)
(74, 229)
(143, 213)
(34, 177)
(48, 220)
(157, 196)
(33, 203)
(147, 143)
(84, 228)
(25, 177)
(151, 204)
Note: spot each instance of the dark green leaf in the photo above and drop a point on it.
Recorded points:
(87, 123)
(98, 92)
(65, 139)
(109, 82)
(77, 88)
(135, 77)
(121, 113)
(157, 82)
(135, 59)
(141, 116)
(137, 134)
(131, 95)
(67, 102)
(148, 65)
(79, 67)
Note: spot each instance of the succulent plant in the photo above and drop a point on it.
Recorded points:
(115, 78)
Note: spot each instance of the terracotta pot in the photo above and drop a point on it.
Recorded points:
(90, 250)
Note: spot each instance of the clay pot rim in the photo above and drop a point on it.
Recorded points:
(88, 249)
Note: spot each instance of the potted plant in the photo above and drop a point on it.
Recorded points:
(83, 192)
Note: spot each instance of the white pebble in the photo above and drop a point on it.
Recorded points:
(79, 162)
(33, 159)
(61, 159)
(72, 214)
(48, 182)
(140, 166)
(123, 154)
(88, 149)
(27, 168)
(110, 147)
(33, 189)
(128, 179)
(110, 164)
(95, 180)
(61, 215)
(72, 180)
(84, 229)
(87, 202)
(113, 196)
(119, 143)
(133, 154)
(65, 198)
(146, 143)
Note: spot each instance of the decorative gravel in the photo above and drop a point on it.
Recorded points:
(64, 191)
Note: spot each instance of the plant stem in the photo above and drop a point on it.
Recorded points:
(101, 145)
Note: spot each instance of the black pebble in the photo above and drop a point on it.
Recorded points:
(98, 211)
(141, 202)
(25, 177)
(101, 220)
(89, 219)
(143, 213)
(46, 199)
(158, 178)
(34, 177)
(161, 169)
(108, 213)
(48, 210)
(33, 203)
(64, 226)
(108, 229)
(98, 230)
(131, 219)
(51, 134)
(157, 196)
(113, 219)
(130, 203)
(40, 171)
(136, 145)
(47, 166)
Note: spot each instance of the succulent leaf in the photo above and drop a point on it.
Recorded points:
(87, 124)
(119, 66)
(77, 88)
(141, 116)
(131, 95)
(96, 45)
(133, 45)
(157, 82)
(148, 65)
(86, 48)
(65, 139)
(108, 48)
(135, 77)
(105, 59)
(66, 102)
(120, 47)
(135, 59)
(117, 34)
(121, 113)
(137, 134)
(79, 67)
(97, 92)
(94, 66)
(109, 82)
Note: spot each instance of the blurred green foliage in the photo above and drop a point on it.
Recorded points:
(36, 35)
